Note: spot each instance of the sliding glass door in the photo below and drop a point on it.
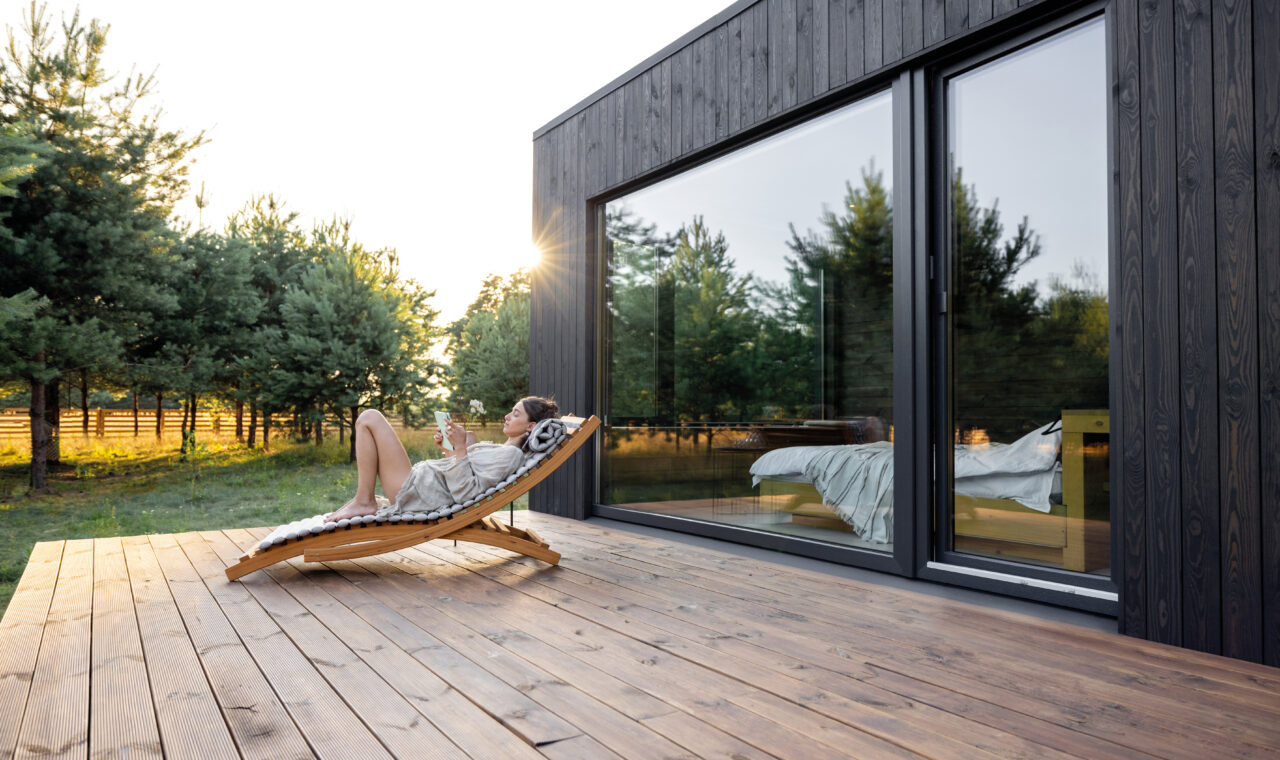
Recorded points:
(1026, 428)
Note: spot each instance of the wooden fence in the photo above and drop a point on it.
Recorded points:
(118, 423)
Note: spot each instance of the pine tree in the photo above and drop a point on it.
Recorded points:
(87, 228)
(491, 358)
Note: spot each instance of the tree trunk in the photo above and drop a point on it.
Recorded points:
(135, 413)
(189, 440)
(240, 421)
(159, 415)
(53, 418)
(342, 429)
(253, 425)
(320, 431)
(84, 402)
(266, 431)
(39, 434)
(355, 412)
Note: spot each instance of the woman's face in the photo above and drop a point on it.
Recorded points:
(516, 423)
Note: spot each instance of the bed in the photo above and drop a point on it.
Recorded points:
(1024, 500)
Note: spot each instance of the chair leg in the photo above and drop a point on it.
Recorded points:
(491, 532)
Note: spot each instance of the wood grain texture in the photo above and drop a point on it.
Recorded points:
(386, 712)
(698, 104)
(640, 647)
(790, 55)
(935, 21)
(710, 106)
(775, 63)
(747, 68)
(892, 38)
(979, 12)
(664, 116)
(680, 84)
(186, 709)
(806, 50)
(124, 723)
(821, 46)
(21, 632)
(1237, 329)
(734, 74)
(258, 721)
(912, 26)
(760, 12)
(1266, 108)
(837, 20)
(457, 720)
(872, 34)
(1001, 7)
(1130, 481)
(721, 88)
(855, 39)
(56, 720)
(1160, 311)
(1201, 610)
(650, 93)
(957, 18)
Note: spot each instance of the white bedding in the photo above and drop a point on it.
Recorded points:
(856, 481)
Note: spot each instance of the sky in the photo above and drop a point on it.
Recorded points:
(413, 120)
(1029, 132)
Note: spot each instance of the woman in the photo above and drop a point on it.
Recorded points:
(461, 475)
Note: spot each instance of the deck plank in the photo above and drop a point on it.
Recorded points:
(983, 661)
(591, 705)
(633, 647)
(56, 723)
(190, 720)
(397, 724)
(524, 717)
(331, 728)
(257, 719)
(839, 696)
(737, 707)
(124, 722)
(21, 632)
(1232, 713)
(474, 731)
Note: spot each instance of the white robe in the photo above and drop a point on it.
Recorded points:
(436, 483)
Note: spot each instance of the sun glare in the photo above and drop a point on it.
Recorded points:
(533, 256)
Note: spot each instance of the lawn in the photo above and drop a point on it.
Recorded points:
(123, 488)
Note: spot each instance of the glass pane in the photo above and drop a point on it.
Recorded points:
(1028, 350)
(748, 354)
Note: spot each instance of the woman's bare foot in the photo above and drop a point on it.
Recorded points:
(352, 508)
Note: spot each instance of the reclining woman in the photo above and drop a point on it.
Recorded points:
(461, 475)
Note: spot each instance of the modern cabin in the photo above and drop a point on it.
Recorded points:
(978, 292)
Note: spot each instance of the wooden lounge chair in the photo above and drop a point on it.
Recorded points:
(473, 521)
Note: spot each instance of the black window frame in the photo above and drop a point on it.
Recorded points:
(936, 560)
(920, 198)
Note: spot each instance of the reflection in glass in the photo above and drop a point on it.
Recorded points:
(748, 322)
(1029, 312)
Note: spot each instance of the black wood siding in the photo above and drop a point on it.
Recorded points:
(1196, 272)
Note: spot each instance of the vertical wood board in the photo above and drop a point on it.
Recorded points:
(1237, 329)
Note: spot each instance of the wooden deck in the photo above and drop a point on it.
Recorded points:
(633, 647)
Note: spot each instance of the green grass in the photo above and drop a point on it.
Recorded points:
(123, 489)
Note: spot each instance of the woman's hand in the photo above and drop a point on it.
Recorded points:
(459, 437)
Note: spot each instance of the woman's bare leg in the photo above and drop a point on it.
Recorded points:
(379, 456)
